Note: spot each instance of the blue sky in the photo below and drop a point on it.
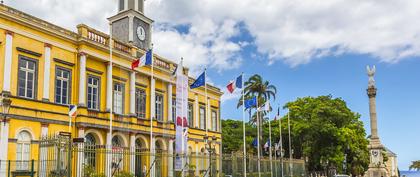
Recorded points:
(303, 47)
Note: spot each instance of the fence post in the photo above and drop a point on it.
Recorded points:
(8, 168)
(32, 167)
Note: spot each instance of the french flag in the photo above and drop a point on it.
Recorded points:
(235, 84)
(72, 110)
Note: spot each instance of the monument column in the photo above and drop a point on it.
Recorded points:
(376, 165)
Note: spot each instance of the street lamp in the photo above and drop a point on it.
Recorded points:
(5, 104)
(211, 148)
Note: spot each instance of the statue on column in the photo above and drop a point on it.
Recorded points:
(371, 73)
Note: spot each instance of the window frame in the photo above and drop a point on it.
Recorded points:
(203, 123)
(214, 124)
(114, 108)
(69, 84)
(161, 110)
(22, 58)
(173, 118)
(98, 92)
(25, 151)
(190, 114)
(138, 107)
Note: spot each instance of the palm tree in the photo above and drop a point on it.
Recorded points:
(415, 165)
(263, 90)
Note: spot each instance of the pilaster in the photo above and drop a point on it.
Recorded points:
(170, 103)
(133, 93)
(47, 69)
(80, 154)
(133, 153)
(82, 79)
(197, 111)
(108, 86)
(4, 141)
(7, 70)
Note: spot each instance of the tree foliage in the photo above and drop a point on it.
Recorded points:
(415, 165)
(322, 129)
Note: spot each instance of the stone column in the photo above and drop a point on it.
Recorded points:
(82, 79)
(47, 68)
(4, 143)
(133, 93)
(108, 86)
(170, 102)
(197, 112)
(7, 70)
(80, 154)
(133, 153)
(171, 156)
(371, 91)
(197, 159)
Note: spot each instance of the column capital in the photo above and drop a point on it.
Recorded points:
(83, 54)
(371, 91)
(47, 45)
(45, 124)
(7, 32)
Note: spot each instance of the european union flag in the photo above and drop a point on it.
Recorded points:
(200, 81)
(251, 102)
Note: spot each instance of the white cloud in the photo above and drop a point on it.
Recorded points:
(295, 32)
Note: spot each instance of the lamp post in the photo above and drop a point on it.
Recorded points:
(5, 105)
(210, 147)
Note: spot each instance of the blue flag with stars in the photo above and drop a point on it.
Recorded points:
(200, 81)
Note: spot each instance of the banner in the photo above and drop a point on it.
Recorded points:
(181, 122)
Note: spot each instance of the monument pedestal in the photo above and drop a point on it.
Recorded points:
(376, 166)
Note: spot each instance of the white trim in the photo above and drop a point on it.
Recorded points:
(125, 4)
(47, 69)
(169, 117)
(108, 87)
(133, 93)
(7, 74)
(197, 112)
(82, 80)
(38, 38)
(136, 5)
(130, 28)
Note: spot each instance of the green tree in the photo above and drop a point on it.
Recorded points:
(232, 135)
(325, 129)
(415, 165)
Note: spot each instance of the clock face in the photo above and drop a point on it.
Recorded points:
(141, 33)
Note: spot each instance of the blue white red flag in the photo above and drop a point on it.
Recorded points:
(146, 59)
(235, 84)
(72, 110)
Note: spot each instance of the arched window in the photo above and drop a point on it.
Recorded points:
(140, 167)
(90, 150)
(117, 153)
(23, 149)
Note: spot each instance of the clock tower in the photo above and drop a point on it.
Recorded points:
(130, 25)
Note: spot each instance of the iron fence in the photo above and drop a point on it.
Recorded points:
(12, 168)
(59, 156)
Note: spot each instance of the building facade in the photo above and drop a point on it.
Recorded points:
(46, 68)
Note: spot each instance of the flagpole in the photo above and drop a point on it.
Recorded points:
(109, 140)
(281, 143)
(152, 148)
(290, 146)
(258, 140)
(206, 101)
(243, 121)
(269, 131)
(183, 125)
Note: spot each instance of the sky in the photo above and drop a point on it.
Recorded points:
(303, 47)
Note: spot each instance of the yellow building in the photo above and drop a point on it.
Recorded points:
(45, 68)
